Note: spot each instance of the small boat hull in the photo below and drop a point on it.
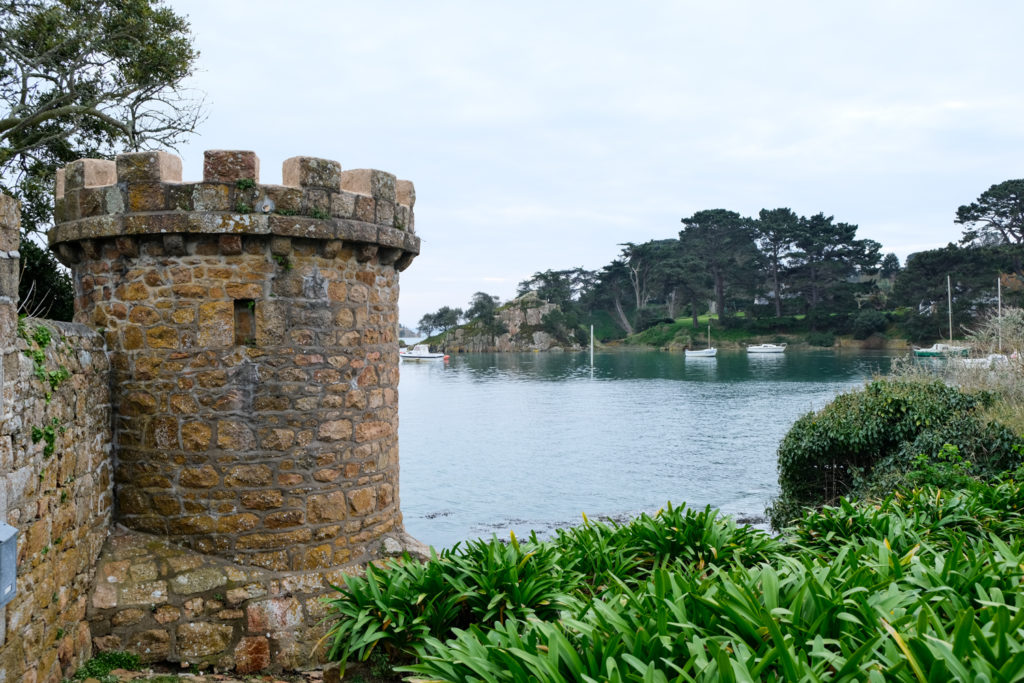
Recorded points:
(941, 350)
(990, 362)
(701, 353)
(766, 348)
(420, 352)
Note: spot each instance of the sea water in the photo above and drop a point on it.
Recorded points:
(493, 443)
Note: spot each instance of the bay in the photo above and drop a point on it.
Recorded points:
(493, 443)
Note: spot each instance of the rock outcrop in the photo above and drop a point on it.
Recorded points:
(523, 318)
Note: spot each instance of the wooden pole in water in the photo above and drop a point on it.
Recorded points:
(591, 346)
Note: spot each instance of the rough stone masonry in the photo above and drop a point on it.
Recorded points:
(251, 332)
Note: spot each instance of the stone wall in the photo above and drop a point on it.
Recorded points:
(166, 603)
(55, 476)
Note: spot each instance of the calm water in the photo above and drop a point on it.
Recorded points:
(497, 442)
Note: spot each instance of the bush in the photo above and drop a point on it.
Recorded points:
(867, 323)
(822, 339)
(922, 328)
(868, 439)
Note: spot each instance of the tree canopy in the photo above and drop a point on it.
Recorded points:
(724, 243)
(826, 255)
(775, 231)
(87, 78)
(443, 319)
(997, 217)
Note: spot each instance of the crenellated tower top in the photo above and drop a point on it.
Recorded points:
(142, 193)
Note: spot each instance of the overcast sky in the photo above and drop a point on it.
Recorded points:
(544, 134)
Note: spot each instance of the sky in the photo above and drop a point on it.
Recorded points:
(543, 135)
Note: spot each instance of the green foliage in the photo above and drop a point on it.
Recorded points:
(947, 469)
(488, 581)
(41, 336)
(867, 440)
(922, 327)
(444, 319)
(319, 214)
(283, 261)
(721, 244)
(87, 79)
(767, 325)
(104, 662)
(493, 583)
(38, 341)
(890, 266)
(925, 585)
(974, 272)
(565, 327)
(48, 434)
(482, 315)
(45, 289)
(997, 217)
(664, 333)
(824, 257)
(867, 323)
(822, 339)
(245, 183)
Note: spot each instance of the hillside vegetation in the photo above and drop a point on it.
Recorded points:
(781, 273)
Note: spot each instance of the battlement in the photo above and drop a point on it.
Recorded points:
(143, 194)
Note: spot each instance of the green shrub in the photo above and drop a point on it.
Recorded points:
(822, 339)
(867, 323)
(920, 328)
(488, 583)
(875, 435)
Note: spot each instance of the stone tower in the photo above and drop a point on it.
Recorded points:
(252, 336)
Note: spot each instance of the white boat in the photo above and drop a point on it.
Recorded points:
(991, 361)
(938, 350)
(766, 348)
(421, 352)
(702, 353)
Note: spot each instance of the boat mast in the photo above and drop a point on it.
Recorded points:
(999, 316)
(949, 296)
